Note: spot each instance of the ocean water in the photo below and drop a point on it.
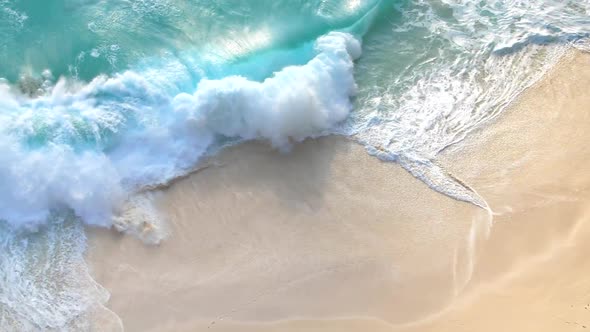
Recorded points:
(102, 99)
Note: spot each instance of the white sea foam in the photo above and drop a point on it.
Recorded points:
(474, 59)
(44, 282)
(88, 147)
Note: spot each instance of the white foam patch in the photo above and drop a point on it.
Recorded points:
(88, 147)
(297, 103)
(36, 182)
(474, 59)
(44, 282)
(139, 218)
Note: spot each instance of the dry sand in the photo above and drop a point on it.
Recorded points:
(327, 238)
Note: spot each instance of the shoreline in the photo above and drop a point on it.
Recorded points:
(293, 230)
(306, 239)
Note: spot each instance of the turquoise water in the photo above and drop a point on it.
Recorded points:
(88, 38)
(101, 99)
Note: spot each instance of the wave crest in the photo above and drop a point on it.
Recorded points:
(94, 145)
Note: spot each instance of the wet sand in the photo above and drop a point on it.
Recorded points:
(327, 238)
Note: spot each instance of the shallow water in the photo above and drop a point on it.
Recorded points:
(100, 99)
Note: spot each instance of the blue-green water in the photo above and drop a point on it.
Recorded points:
(100, 99)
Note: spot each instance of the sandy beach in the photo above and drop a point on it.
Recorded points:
(328, 238)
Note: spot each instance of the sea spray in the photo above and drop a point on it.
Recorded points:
(89, 147)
